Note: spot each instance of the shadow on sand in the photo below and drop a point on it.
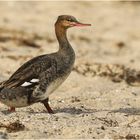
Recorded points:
(73, 110)
(128, 111)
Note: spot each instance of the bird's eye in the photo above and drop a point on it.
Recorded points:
(69, 20)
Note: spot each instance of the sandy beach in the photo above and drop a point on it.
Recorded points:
(101, 97)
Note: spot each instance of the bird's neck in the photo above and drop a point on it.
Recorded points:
(61, 34)
(65, 50)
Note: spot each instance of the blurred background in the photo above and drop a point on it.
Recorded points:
(27, 30)
(94, 102)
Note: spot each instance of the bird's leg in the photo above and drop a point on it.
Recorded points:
(12, 109)
(38, 92)
(46, 104)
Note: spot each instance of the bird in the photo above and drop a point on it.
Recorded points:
(37, 78)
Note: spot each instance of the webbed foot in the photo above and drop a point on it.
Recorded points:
(11, 109)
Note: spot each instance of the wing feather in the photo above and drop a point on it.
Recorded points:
(28, 71)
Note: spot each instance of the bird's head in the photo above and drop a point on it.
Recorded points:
(67, 21)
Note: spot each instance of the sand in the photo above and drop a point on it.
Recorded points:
(101, 97)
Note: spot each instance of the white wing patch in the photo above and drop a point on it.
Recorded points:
(34, 80)
(25, 84)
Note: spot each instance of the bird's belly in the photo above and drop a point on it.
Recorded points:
(14, 97)
(54, 85)
(17, 102)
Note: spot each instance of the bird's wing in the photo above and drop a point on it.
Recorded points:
(28, 73)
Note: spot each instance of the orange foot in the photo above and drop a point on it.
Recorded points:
(12, 109)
